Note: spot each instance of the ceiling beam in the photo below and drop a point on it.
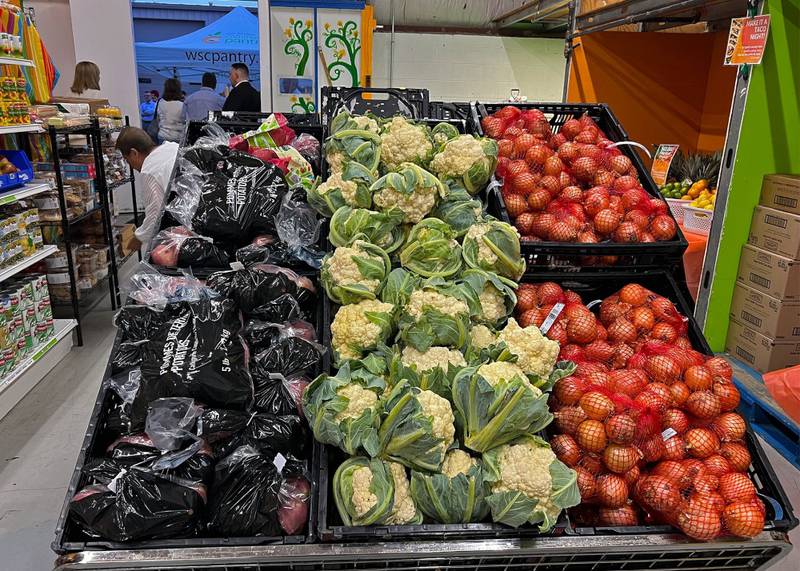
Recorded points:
(631, 12)
(530, 11)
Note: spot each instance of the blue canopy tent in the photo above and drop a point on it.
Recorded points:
(231, 39)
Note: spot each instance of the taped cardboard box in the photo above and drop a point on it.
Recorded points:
(775, 231)
(758, 351)
(769, 316)
(770, 273)
(782, 192)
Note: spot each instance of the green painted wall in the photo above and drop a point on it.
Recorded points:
(769, 143)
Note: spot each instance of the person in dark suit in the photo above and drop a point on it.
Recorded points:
(243, 96)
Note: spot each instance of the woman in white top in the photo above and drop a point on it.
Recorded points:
(170, 112)
(87, 80)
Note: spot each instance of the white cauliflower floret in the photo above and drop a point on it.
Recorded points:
(536, 354)
(482, 337)
(493, 305)
(351, 327)
(457, 157)
(365, 123)
(525, 468)
(403, 142)
(485, 253)
(348, 188)
(363, 499)
(443, 419)
(344, 270)
(505, 371)
(457, 462)
(360, 399)
(335, 162)
(434, 357)
(420, 299)
(404, 509)
(415, 206)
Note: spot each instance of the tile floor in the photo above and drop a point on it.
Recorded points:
(41, 437)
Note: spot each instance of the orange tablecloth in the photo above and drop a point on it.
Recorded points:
(693, 260)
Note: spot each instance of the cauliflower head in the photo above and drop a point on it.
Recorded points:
(335, 182)
(457, 156)
(335, 162)
(363, 499)
(366, 123)
(422, 298)
(404, 142)
(345, 271)
(482, 337)
(359, 400)
(536, 354)
(493, 304)
(500, 371)
(353, 331)
(485, 253)
(525, 467)
(442, 416)
(457, 462)
(435, 357)
(414, 206)
(404, 511)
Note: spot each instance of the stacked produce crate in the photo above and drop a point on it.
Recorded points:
(474, 407)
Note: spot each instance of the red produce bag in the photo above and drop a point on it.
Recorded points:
(784, 386)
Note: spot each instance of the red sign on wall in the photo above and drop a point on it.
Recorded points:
(746, 40)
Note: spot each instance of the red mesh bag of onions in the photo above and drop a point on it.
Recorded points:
(637, 314)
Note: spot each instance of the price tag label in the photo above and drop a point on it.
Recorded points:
(661, 162)
(551, 318)
(668, 433)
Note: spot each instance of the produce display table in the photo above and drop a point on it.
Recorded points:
(693, 259)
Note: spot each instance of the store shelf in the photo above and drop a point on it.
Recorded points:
(75, 220)
(32, 189)
(16, 61)
(6, 273)
(11, 129)
(27, 375)
(118, 183)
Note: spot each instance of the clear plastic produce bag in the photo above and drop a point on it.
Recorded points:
(177, 247)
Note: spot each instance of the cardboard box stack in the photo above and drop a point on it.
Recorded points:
(765, 312)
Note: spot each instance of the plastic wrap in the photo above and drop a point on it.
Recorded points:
(271, 293)
(177, 247)
(297, 228)
(293, 498)
(139, 504)
(127, 413)
(149, 287)
(280, 395)
(309, 147)
(225, 430)
(171, 423)
(244, 497)
(209, 149)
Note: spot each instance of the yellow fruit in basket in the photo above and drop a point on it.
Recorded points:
(686, 197)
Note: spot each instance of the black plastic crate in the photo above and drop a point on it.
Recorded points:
(597, 286)
(295, 119)
(70, 538)
(575, 255)
(382, 102)
(780, 515)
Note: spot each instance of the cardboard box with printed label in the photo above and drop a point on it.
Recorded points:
(776, 231)
(769, 316)
(770, 273)
(782, 192)
(760, 352)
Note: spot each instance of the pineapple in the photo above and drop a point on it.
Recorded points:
(697, 166)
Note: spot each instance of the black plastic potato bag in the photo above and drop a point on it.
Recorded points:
(139, 504)
(200, 354)
(226, 430)
(244, 498)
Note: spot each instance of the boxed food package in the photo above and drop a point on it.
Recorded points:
(762, 353)
(776, 231)
(782, 192)
(770, 273)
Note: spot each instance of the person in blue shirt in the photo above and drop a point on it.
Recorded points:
(198, 104)
(148, 107)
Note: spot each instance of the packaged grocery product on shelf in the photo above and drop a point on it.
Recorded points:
(26, 319)
(20, 233)
(109, 117)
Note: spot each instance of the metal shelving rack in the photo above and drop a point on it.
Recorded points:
(92, 133)
(131, 179)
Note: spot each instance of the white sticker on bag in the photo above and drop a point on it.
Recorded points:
(279, 462)
(112, 485)
(668, 433)
(237, 266)
(551, 318)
